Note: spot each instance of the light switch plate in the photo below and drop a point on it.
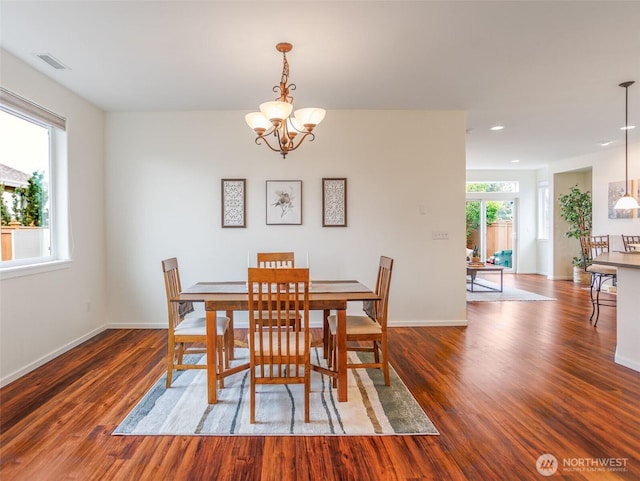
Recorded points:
(440, 235)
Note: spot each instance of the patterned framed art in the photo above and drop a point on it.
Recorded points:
(334, 202)
(234, 202)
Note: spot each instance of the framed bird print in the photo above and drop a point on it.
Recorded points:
(284, 202)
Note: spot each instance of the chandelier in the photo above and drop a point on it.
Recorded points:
(275, 120)
(627, 201)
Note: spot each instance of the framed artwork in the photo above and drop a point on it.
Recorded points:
(234, 202)
(334, 202)
(284, 202)
(617, 190)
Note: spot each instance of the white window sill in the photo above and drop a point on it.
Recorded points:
(31, 269)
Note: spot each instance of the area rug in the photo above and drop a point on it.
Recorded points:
(483, 291)
(372, 409)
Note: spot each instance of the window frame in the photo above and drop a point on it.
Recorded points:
(59, 255)
(544, 211)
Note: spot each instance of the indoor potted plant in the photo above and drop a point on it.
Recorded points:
(575, 209)
(580, 275)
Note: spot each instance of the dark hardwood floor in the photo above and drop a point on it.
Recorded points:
(522, 380)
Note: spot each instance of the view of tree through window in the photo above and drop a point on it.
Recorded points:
(24, 186)
(495, 210)
(502, 186)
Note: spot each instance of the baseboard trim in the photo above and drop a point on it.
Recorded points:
(430, 323)
(49, 357)
(314, 324)
(137, 325)
(626, 362)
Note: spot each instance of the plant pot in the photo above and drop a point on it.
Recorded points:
(580, 276)
(475, 260)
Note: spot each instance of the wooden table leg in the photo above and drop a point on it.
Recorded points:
(230, 348)
(212, 370)
(342, 354)
(325, 333)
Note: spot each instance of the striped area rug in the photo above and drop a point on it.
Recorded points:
(372, 409)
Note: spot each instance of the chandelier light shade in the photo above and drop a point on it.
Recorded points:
(626, 201)
(275, 122)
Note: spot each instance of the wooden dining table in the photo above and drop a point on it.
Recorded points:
(231, 296)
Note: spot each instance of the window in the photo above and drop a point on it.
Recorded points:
(544, 210)
(502, 186)
(32, 171)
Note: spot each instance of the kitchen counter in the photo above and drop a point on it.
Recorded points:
(619, 259)
(628, 309)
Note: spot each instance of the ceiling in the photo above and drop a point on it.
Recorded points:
(546, 70)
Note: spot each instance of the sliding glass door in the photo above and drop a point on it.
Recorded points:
(490, 228)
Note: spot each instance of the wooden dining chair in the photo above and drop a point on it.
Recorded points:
(188, 334)
(370, 327)
(279, 349)
(593, 246)
(627, 240)
(276, 259)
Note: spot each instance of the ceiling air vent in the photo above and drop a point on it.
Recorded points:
(55, 63)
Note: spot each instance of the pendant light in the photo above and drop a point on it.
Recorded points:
(626, 201)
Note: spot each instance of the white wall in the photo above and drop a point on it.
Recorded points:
(163, 174)
(42, 315)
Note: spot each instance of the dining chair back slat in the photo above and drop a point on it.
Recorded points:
(177, 310)
(627, 240)
(383, 284)
(276, 259)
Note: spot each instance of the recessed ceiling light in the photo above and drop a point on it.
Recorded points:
(628, 127)
(497, 127)
(515, 161)
(604, 143)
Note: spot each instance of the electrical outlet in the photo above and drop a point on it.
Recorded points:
(440, 235)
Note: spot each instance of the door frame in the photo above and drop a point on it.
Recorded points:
(483, 197)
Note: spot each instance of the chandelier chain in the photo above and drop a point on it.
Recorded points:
(284, 87)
